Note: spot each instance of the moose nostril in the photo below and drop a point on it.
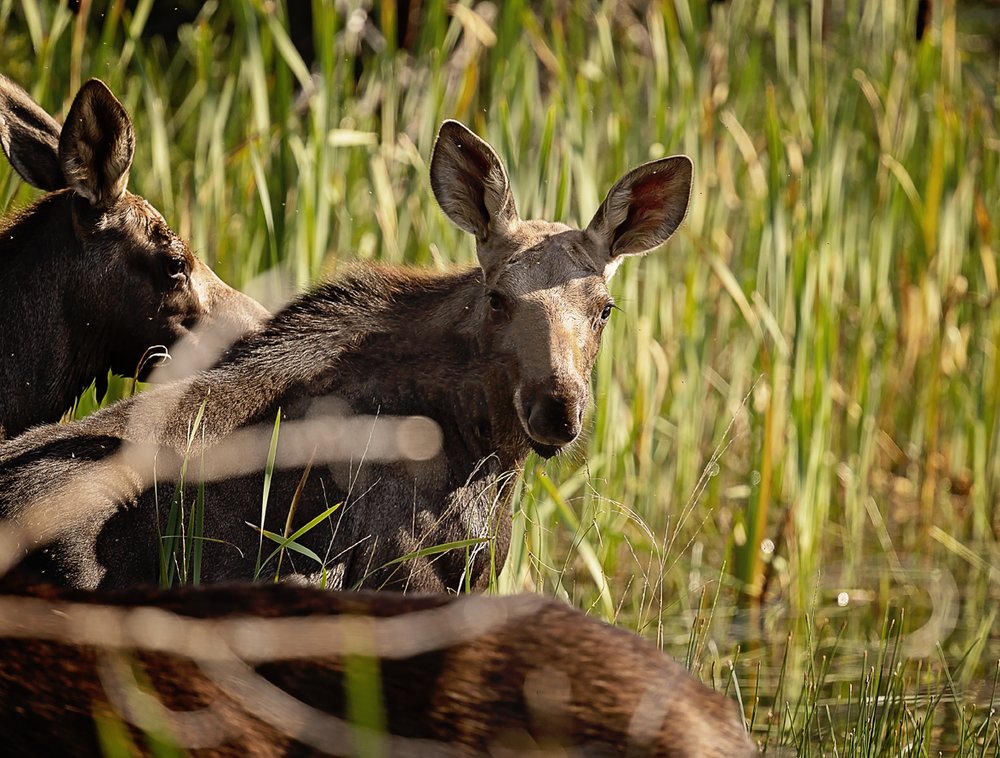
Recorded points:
(554, 421)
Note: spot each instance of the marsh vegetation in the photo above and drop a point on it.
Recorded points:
(792, 469)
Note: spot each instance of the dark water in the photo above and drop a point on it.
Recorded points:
(893, 652)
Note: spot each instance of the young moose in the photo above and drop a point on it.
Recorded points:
(93, 276)
(260, 669)
(499, 357)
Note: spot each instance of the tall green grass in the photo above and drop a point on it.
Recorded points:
(797, 406)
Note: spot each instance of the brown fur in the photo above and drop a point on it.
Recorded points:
(92, 275)
(497, 357)
(472, 676)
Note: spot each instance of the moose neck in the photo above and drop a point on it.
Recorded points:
(40, 254)
(429, 356)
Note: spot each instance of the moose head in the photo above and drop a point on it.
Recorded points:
(545, 299)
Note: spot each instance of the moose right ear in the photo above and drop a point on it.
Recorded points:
(642, 210)
(30, 138)
(96, 145)
(470, 182)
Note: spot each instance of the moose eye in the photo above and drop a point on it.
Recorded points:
(606, 313)
(496, 301)
(176, 267)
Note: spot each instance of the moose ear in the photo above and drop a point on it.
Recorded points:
(30, 138)
(470, 183)
(97, 144)
(642, 210)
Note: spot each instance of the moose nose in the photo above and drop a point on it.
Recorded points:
(554, 418)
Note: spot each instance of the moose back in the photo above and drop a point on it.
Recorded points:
(93, 277)
(408, 402)
(267, 670)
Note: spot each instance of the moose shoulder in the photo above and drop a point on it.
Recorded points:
(498, 357)
(93, 276)
(261, 669)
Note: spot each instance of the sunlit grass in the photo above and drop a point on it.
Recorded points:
(799, 399)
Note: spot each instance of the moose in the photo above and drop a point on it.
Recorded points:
(281, 670)
(93, 276)
(389, 410)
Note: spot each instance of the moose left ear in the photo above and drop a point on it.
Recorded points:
(642, 210)
(472, 188)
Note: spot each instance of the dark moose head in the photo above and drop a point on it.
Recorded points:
(94, 277)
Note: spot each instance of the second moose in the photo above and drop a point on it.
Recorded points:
(92, 275)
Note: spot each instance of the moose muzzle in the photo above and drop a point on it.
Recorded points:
(552, 413)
